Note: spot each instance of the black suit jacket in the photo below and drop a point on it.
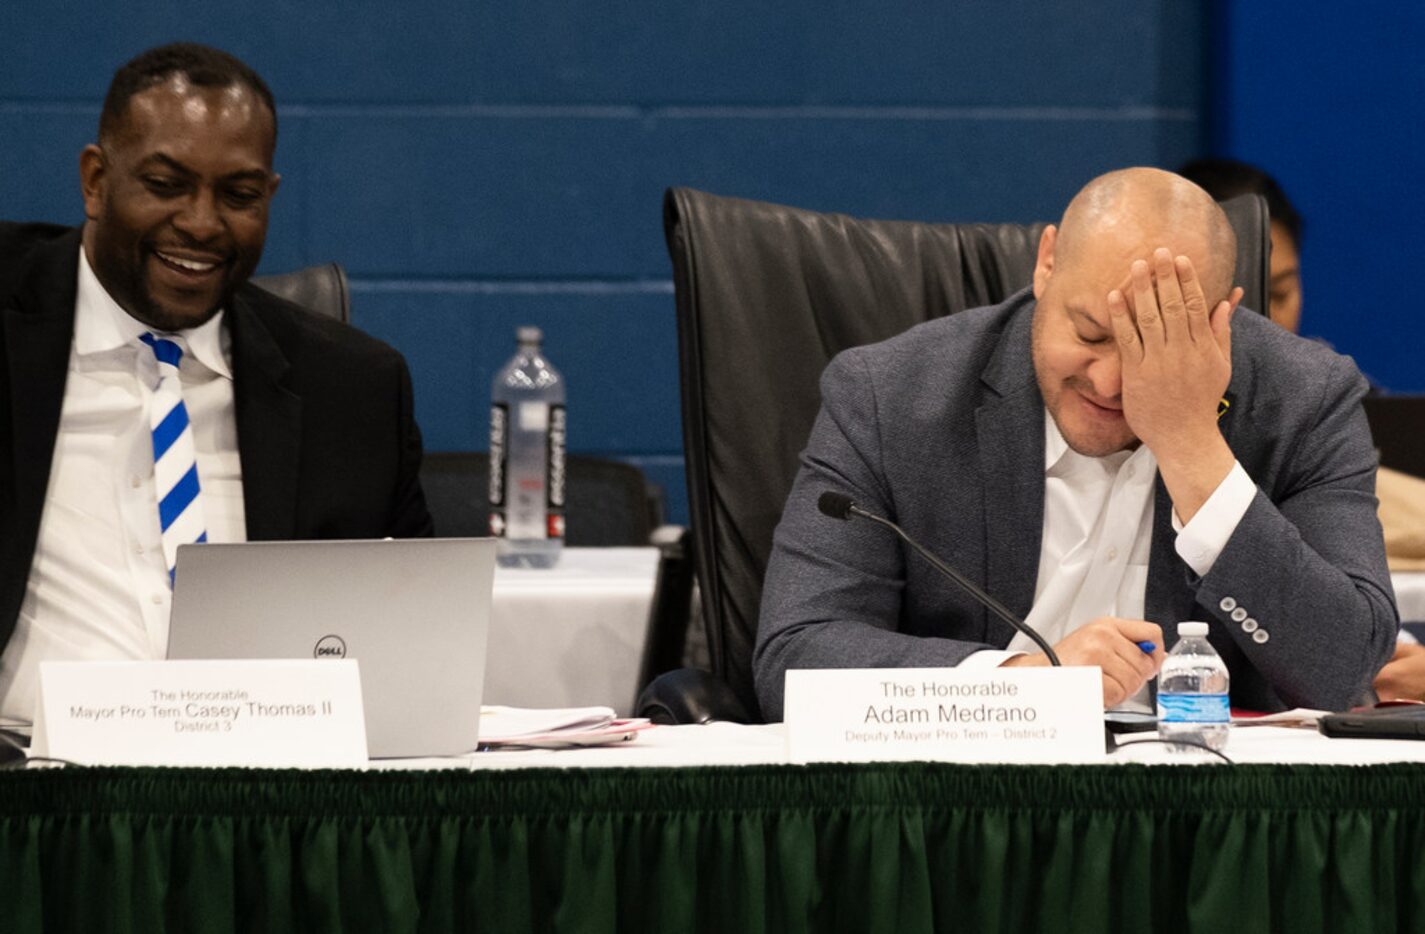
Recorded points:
(327, 441)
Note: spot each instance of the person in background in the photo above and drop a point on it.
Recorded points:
(159, 398)
(1228, 178)
(1401, 495)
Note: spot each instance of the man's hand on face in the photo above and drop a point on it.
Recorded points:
(1177, 358)
(1111, 644)
(1177, 361)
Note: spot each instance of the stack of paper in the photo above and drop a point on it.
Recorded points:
(554, 727)
(1300, 717)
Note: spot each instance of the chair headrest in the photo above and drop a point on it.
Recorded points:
(321, 290)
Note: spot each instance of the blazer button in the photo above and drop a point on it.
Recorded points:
(1249, 625)
(1228, 604)
(1238, 615)
(1260, 636)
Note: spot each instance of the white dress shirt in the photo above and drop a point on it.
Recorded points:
(98, 587)
(1098, 531)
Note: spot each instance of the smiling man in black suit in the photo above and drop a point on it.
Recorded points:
(151, 397)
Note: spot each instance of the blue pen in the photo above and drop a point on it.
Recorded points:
(1148, 647)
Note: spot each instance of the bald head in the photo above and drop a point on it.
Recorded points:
(1125, 215)
(1117, 220)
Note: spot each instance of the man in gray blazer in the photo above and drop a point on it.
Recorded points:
(1111, 447)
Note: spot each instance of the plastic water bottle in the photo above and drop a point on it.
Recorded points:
(1192, 691)
(527, 436)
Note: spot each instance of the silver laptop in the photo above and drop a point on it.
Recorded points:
(415, 613)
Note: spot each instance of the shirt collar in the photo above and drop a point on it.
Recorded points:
(1055, 447)
(101, 325)
(1060, 459)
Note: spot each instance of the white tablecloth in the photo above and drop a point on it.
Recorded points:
(572, 635)
(734, 744)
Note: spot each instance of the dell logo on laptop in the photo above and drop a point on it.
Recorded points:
(330, 647)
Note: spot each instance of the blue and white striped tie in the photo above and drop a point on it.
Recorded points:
(175, 460)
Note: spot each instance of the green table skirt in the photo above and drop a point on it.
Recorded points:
(905, 848)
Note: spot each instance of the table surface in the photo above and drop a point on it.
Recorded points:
(765, 744)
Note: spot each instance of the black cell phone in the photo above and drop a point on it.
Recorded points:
(1129, 721)
(1380, 723)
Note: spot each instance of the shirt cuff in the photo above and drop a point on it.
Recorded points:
(987, 658)
(1202, 540)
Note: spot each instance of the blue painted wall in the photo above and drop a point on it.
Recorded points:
(1331, 101)
(479, 166)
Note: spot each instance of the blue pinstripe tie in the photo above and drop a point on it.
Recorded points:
(175, 460)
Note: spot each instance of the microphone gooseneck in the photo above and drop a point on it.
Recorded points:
(840, 506)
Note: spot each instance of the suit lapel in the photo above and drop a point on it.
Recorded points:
(269, 424)
(1162, 599)
(1010, 431)
(39, 328)
(1168, 598)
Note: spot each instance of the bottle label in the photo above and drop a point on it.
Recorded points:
(554, 474)
(1193, 708)
(534, 416)
(499, 462)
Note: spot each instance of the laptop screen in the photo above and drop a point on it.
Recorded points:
(414, 613)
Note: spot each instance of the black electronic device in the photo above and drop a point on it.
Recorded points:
(12, 748)
(1129, 721)
(1400, 722)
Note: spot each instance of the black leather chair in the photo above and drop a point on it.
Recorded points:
(766, 296)
(1398, 427)
(319, 289)
(610, 502)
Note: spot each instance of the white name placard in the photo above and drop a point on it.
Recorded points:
(1020, 715)
(297, 713)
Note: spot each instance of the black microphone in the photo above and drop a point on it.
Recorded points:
(840, 506)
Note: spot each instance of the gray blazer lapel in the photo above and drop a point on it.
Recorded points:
(1169, 599)
(1010, 430)
(269, 424)
(1165, 599)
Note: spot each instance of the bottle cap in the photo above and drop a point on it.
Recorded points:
(1191, 629)
(528, 334)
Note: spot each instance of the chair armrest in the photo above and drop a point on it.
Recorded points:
(690, 695)
(672, 607)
